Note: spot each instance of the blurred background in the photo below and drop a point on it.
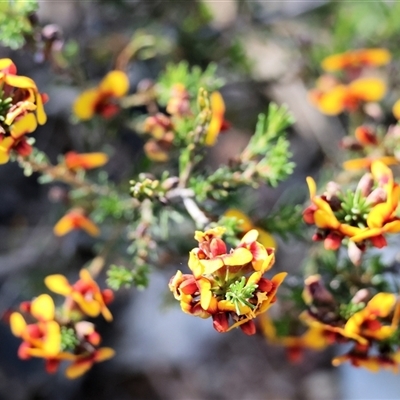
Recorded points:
(266, 51)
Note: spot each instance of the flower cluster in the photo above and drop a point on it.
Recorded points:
(369, 322)
(58, 334)
(21, 110)
(364, 216)
(227, 286)
(332, 95)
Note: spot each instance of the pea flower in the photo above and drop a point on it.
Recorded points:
(349, 97)
(75, 219)
(227, 286)
(102, 100)
(43, 338)
(76, 161)
(356, 59)
(217, 123)
(84, 294)
(21, 110)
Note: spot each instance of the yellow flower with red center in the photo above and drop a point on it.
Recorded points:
(355, 59)
(245, 224)
(369, 323)
(227, 285)
(75, 161)
(320, 213)
(382, 217)
(85, 293)
(349, 97)
(365, 138)
(22, 110)
(75, 219)
(102, 100)
(43, 338)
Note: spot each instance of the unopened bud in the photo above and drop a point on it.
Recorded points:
(365, 184)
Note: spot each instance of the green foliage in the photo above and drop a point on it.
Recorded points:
(69, 341)
(192, 78)
(14, 21)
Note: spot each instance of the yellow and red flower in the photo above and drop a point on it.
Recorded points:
(75, 219)
(102, 100)
(76, 161)
(356, 59)
(341, 97)
(40, 339)
(217, 123)
(227, 286)
(85, 293)
(21, 110)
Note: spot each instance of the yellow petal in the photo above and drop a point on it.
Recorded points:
(240, 256)
(5, 63)
(382, 304)
(332, 102)
(85, 104)
(88, 226)
(396, 110)
(265, 238)
(312, 187)
(244, 222)
(205, 293)
(64, 226)
(89, 307)
(17, 322)
(105, 353)
(24, 125)
(78, 368)
(356, 164)
(210, 266)
(115, 83)
(58, 284)
(378, 215)
(22, 82)
(4, 156)
(52, 344)
(218, 111)
(368, 89)
(40, 113)
(325, 219)
(42, 308)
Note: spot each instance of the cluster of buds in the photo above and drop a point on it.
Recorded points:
(363, 216)
(227, 286)
(21, 110)
(58, 334)
(332, 96)
(369, 322)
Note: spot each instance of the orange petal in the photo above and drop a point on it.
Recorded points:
(22, 82)
(89, 307)
(42, 308)
(58, 284)
(24, 125)
(325, 219)
(368, 89)
(64, 225)
(74, 160)
(105, 353)
(376, 57)
(40, 113)
(85, 104)
(78, 368)
(115, 83)
(88, 226)
(356, 164)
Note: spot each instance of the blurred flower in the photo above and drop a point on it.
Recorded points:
(396, 109)
(245, 224)
(355, 59)
(43, 338)
(315, 338)
(85, 293)
(349, 97)
(217, 123)
(84, 362)
(101, 100)
(179, 102)
(75, 219)
(21, 110)
(76, 161)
